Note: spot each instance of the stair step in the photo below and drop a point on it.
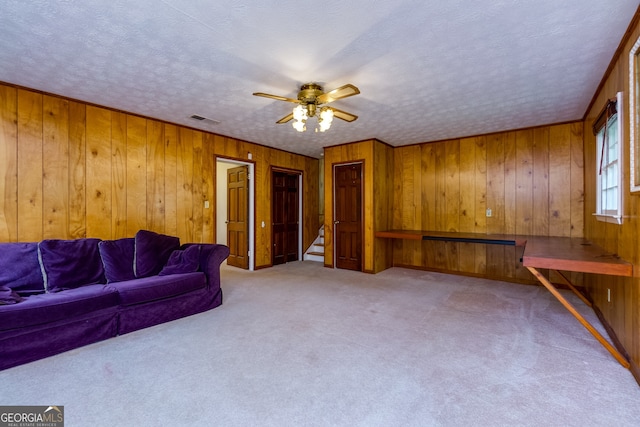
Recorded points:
(316, 251)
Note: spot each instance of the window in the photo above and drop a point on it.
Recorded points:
(608, 131)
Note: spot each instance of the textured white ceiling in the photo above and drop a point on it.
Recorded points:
(427, 70)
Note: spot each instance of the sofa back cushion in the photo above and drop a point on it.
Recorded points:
(183, 261)
(152, 251)
(117, 259)
(68, 264)
(20, 269)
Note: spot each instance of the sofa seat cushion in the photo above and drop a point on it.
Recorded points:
(47, 308)
(155, 288)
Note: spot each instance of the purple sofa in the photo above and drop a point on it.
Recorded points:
(57, 295)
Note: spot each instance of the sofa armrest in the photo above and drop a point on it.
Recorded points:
(211, 256)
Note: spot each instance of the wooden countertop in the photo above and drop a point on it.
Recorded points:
(573, 254)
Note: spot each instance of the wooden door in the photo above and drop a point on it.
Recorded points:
(237, 216)
(285, 217)
(348, 216)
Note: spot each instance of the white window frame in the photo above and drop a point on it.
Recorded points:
(634, 117)
(604, 171)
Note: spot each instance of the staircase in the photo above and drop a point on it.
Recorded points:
(316, 250)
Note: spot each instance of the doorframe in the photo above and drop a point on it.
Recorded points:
(333, 208)
(252, 203)
(300, 173)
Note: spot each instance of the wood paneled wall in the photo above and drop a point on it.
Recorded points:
(622, 313)
(531, 180)
(70, 169)
(383, 210)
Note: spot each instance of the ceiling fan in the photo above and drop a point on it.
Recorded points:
(310, 100)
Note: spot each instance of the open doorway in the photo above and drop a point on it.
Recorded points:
(242, 211)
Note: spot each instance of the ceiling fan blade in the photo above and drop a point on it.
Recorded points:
(285, 119)
(339, 93)
(279, 98)
(343, 115)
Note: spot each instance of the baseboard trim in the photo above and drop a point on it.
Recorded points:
(476, 275)
(487, 276)
(635, 371)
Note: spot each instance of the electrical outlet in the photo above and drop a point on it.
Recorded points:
(206, 204)
(489, 213)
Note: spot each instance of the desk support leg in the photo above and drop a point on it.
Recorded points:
(573, 288)
(547, 284)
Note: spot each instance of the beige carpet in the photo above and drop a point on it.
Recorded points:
(303, 345)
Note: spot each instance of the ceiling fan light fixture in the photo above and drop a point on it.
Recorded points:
(299, 118)
(310, 99)
(326, 117)
(299, 126)
(300, 113)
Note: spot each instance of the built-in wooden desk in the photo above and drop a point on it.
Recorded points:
(573, 254)
(448, 236)
(553, 253)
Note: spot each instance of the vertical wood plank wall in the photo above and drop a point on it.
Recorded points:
(530, 179)
(622, 313)
(70, 169)
(382, 204)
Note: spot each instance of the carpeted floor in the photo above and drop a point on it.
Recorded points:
(303, 345)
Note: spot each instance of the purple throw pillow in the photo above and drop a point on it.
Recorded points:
(117, 259)
(9, 296)
(183, 261)
(152, 251)
(20, 269)
(68, 264)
